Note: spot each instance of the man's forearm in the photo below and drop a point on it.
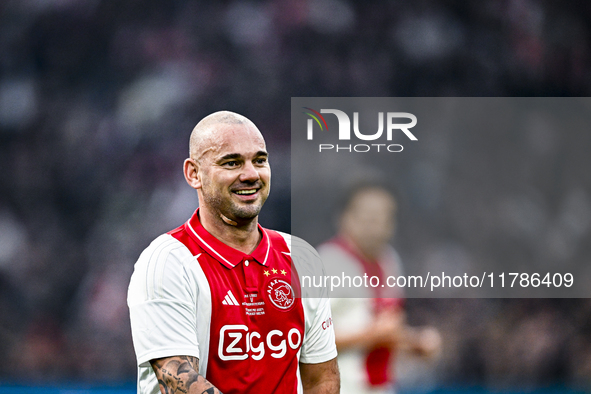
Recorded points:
(332, 387)
(323, 378)
(180, 375)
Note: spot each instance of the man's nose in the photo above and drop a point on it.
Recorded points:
(249, 173)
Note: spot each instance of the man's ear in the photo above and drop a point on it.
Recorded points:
(191, 171)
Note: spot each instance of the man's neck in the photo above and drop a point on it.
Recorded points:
(244, 237)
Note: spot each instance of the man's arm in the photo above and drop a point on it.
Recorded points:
(180, 374)
(385, 330)
(322, 378)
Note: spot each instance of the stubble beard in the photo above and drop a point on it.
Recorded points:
(233, 210)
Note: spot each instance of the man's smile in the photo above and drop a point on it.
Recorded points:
(246, 192)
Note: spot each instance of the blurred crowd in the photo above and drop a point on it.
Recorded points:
(97, 100)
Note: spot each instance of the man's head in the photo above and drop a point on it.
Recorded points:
(228, 167)
(368, 218)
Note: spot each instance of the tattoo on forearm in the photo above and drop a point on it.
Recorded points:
(163, 387)
(177, 374)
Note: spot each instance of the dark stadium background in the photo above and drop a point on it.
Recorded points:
(98, 97)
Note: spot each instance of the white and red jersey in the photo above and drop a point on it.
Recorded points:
(353, 311)
(240, 314)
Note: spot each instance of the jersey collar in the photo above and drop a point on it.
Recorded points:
(223, 253)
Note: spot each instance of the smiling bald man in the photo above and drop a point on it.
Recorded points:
(212, 304)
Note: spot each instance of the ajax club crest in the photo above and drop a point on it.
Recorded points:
(281, 294)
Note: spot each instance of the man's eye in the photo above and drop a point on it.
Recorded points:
(261, 160)
(232, 163)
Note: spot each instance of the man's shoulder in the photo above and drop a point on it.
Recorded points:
(304, 257)
(338, 260)
(162, 246)
(296, 245)
(330, 246)
(288, 238)
(161, 255)
(332, 250)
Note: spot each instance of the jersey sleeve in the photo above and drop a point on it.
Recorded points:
(161, 300)
(319, 339)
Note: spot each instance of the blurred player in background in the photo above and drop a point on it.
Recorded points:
(371, 327)
(212, 305)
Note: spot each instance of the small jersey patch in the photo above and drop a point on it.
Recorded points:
(280, 294)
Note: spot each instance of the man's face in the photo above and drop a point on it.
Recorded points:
(234, 171)
(370, 220)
